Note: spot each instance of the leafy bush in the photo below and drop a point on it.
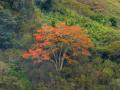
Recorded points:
(100, 18)
(113, 21)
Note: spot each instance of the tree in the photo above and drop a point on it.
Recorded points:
(44, 4)
(59, 44)
(7, 28)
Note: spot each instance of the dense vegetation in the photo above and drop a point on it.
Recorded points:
(91, 31)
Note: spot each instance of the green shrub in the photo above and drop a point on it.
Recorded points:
(100, 18)
(113, 21)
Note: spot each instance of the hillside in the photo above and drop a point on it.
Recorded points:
(105, 9)
(80, 37)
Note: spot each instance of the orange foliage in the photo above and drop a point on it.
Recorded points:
(49, 41)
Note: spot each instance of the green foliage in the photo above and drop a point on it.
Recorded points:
(24, 42)
(7, 28)
(108, 72)
(112, 51)
(100, 34)
(20, 18)
(47, 5)
(56, 82)
(12, 81)
(92, 75)
(100, 18)
(113, 21)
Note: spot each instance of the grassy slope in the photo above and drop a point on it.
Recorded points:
(108, 8)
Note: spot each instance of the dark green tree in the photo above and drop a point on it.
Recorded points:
(7, 28)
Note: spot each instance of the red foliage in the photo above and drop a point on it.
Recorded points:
(61, 40)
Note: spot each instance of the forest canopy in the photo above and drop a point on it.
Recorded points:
(59, 45)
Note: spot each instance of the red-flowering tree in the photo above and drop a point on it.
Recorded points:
(57, 44)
